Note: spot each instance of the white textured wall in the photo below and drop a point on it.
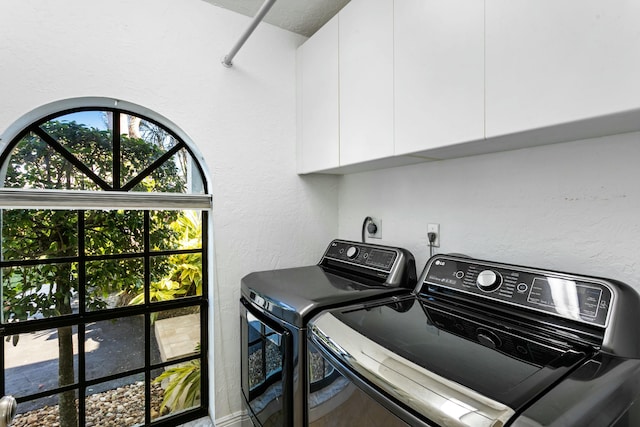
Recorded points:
(573, 206)
(165, 55)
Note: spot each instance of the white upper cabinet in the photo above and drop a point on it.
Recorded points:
(366, 80)
(550, 62)
(318, 100)
(439, 73)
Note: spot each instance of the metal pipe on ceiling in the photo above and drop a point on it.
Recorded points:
(228, 58)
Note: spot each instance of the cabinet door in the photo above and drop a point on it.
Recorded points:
(366, 80)
(556, 61)
(318, 137)
(439, 73)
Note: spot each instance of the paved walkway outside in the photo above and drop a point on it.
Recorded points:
(110, 347)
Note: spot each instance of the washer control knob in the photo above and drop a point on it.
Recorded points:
(352, 252)
(488, 338)
(488, 280)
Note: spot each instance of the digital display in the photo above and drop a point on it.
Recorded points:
(568, 298)
(380, 259)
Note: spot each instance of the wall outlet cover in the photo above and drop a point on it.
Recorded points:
(378, 233)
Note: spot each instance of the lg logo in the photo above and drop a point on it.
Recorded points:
(439, 262)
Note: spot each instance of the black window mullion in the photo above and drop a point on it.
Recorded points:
(155, 165)
(116, 149)
(204, 313)
(70, 158)
(147, 318)
(82, 281)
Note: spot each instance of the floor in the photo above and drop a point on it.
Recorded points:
(202, 422)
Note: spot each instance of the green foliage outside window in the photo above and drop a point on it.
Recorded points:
(48, 288)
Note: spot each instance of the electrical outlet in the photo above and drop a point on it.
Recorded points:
(378, 224)
(434, 228)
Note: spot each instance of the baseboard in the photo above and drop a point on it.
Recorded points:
(237, 419)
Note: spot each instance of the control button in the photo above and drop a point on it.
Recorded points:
(522, 287)
(352, 252)
(365, 256)
(488, 338)
(488, 280)
(341, 251)
(459, 274)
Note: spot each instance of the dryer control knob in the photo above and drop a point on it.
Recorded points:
(488, 280)
(352, 252)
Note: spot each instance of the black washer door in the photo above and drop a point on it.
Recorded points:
(266, 349)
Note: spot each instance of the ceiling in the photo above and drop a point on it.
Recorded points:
(299, 16)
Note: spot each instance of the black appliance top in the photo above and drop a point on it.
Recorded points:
(497, 362)
(480, 341)
(347, 273)
(602, 312)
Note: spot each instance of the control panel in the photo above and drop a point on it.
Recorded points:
(362, 255)
(577, 298)
(512, 344)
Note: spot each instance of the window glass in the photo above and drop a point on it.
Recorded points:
(176, 276)
(113, 345)
(185, 378)
(29, 234)
(31, 292)
(82, 135)
(172, 230)
(177, 333)
(32, 362)
(114, 232)
(119, 402)
(35, 164)
(100, 302)
(112, 283)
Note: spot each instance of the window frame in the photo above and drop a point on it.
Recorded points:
(115, 197)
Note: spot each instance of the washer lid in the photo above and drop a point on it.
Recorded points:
(444, 366)
(296, 294)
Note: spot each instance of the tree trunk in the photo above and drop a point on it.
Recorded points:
(66, 376)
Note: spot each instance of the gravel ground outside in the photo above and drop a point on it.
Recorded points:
(121, 407)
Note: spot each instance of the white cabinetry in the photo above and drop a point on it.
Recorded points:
(439, 73)
(366, 81)
(550, 62)
(391, 82)
(318, 100)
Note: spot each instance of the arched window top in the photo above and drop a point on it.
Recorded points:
(104, 213)
(100, 149)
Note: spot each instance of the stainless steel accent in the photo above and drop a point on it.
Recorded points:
(437, 398)
(227, 60)
(8, 407)
(488, 280)
(352, 252)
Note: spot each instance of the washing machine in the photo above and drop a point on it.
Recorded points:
(483, 344)
(275, 306)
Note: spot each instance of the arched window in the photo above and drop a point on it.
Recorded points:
(103, 268)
